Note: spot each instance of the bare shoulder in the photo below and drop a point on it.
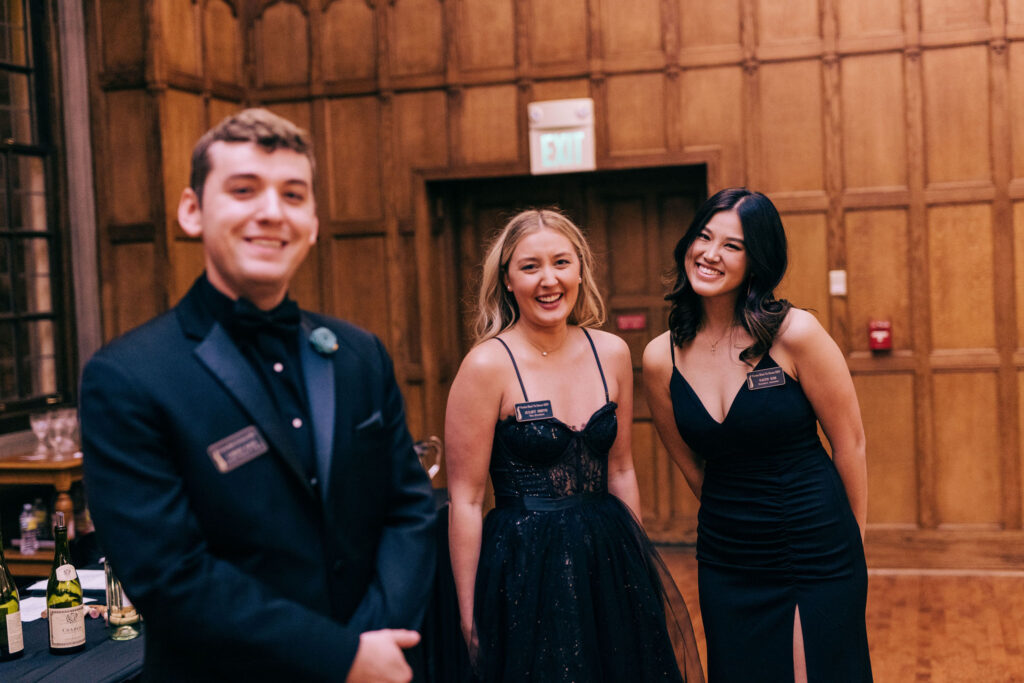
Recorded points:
(658, 354)
(800, 329)
(612, 349)
(488, 360)
(608, 343)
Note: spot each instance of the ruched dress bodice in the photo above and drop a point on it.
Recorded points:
(775, 532)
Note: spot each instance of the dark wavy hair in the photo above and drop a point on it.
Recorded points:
(757, 309)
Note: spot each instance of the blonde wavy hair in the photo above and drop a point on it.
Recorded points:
(497, 309)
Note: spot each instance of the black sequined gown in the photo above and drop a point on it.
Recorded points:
(774, 532)
(568, 586)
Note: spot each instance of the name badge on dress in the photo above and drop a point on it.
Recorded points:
(762, 379)
(236, 450)
(534, 410)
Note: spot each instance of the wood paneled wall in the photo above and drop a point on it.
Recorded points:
(889, 133)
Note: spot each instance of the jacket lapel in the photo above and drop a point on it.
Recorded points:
(318, 374)
(220, 355)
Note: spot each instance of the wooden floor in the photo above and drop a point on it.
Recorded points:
(928, 626)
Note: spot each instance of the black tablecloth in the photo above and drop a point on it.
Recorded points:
(102, 659)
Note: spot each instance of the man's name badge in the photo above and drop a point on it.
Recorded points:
(534, 410)
(236, 450)
(762, 379)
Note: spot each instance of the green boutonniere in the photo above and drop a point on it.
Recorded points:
(324, 341)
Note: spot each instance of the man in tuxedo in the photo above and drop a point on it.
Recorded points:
(248, 466)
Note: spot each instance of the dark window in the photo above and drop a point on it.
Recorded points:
(34, 351)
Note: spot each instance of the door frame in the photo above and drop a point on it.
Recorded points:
(432, 340)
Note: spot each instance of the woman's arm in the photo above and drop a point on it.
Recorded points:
(657, 368)
(621, 475)
(472, 412)
(825, 378)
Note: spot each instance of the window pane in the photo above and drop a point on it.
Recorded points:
(15, 108)
(28, 185)
(6, 279)
(32, 276)
(12, 32)
(4, 218)
(38, 358)
(8, 381)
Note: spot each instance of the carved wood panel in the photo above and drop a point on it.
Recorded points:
(487, 34)
(887, 407)
(349, 39)
(282, 45)
(961, 287)
(874, 136)
(179, 22)
(957, 114)
(352, 141)
(706, 24)
(791, 127)
(416, 39)
(222, 37)
(488, 125)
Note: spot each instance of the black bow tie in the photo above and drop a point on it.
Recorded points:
(281, 321)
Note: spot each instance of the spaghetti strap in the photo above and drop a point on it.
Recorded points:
(598, 359)
(520, 377)
(671, 350)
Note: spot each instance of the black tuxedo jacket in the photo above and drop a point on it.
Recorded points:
(241, 569)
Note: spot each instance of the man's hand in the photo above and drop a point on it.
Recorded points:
(379, 658)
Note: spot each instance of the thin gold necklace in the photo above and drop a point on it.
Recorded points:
(542, 351)
(714, 344)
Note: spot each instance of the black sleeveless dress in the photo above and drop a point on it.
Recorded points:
(568, 586)
(775, 531)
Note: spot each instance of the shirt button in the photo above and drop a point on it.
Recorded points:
(313, 482)
(297, 422)
(278, 367)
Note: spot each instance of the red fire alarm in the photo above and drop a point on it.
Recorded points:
(880, 335)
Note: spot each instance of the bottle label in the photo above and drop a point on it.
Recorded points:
(66, 572)
(15, 640)
(67, 626)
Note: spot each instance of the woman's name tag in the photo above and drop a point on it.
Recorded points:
(534, 410)
(762, 379)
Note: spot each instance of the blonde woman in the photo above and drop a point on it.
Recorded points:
(559, 583)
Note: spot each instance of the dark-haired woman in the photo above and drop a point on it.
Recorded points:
(737, 387)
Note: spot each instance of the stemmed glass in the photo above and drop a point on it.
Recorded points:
(122, 617)
(40, 423)
(64, 424)
(430, 452)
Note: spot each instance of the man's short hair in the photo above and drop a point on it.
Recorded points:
(258, 126)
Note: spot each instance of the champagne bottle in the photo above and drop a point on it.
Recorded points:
(12, 644)
(64, 597)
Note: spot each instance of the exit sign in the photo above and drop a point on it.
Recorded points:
(561, 136)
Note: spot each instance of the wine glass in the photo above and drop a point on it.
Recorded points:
(64, 423)
(70, 430)
(122, 616)
(430, 452)
(40, 423)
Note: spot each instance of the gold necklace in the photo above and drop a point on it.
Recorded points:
(714, 344)
(542, 351)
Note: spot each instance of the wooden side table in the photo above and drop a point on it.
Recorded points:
(60, 474)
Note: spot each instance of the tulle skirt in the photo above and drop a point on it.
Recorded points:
(577, 594)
